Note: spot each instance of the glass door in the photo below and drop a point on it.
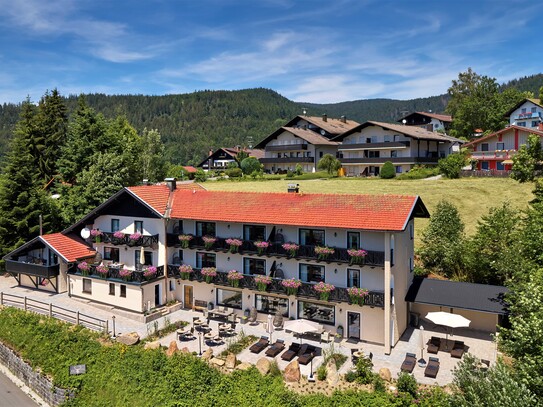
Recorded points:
(353, 325)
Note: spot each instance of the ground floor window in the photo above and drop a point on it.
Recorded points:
(111, 289)
(87, 286)
(484, 165)
(123, 291)
(499, 166)
(270, 305)
(229, 298)
(325, 314)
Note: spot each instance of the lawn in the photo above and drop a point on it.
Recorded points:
(472, 196)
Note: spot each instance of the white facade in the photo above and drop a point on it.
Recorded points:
(529, 115)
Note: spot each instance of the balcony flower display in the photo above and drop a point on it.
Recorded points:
(209, 273)
(209, 241)
(185, 240)
(125, 274)
(357, 255)
(185, 270)
(324, 290)
(96, 234)
(134, 237)
(149, 272)
(234, 277)
(357, 295)
(291, 285)
(234, 244)
(84, 267)
(118, 235)
(262, 246)
(291, 248)
(102, 271)
(262, 282)
(323, 252)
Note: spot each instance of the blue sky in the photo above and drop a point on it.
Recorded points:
(309, 51)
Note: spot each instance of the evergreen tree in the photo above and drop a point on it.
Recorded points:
(388, 171)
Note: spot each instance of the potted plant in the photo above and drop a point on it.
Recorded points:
(234, 244)
(134, 237)
(185, 240)
(262, 282)
(209, 273)
(102, 271)
(118, 237)
(324, 290)
(84, 267)
(125, 274)
(357, 295)
(323, 252)
(262, 246)
(234, 277)
(291, 248)
(96, 234)
(357, 255)
(150, 272)
(185, 270)
(291, 285)
(209, 241)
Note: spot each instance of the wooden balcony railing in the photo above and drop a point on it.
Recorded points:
(38, 270)
(114, 273)
(145, 240)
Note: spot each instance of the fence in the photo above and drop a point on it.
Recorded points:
(485, 173)
(54, 311)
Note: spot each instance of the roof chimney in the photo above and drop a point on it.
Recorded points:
(344, 119)
(324, 117)
(171, 183)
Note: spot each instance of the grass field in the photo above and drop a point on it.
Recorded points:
(472, 196)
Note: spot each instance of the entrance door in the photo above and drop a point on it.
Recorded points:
(353, 325)
(188, 296)
(157, 295)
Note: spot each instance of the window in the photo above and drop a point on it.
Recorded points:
(123, 291)
(387, 139)
(521, 124)
(270, 305)
(499, 165)
(484, 165)
(138, 226)
(205, 229)
(523, 110)
(312, 237)
(368, 140)
(353, 240)
(411, 230)
(111, 289)
(398, 169)
(534, 109)
(484, 147)
(410, 265)
(206, 260)
(115, 225)
(311, 273)
(534, 123)
(87, 286)
(229, 298)
(317, 312)
(148, 258)
(500, 146)
(177, 257)
(321, 153)
(392, 250)
(111, 253)
(254, 232)
(374, 154)
(254, 266)
(172, 285)
(353, 278)
(394, 154)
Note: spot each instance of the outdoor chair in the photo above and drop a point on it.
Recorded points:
(292, 351)
(325, 337)
(260, 345)
(432, 368)
(353, 357)
(433, 345)
(409, 363)
(306, 358)
(276, 348)
(458, 349)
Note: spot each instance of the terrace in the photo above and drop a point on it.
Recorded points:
(32, 269)
(110, 238)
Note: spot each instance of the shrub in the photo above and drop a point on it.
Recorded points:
(452, 164)
(388, 171)
(419, 172)
(290, 174)
(250, 165)
(200, 176)
(234, 172)
(363, 370)
(407, 384)
(322, 373)
(299, 170)
(350, 376)
(378, 384)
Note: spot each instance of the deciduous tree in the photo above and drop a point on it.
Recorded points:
(329, 163)
(526, 160)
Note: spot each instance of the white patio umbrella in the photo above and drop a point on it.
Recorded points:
(447, 319)
(270, 326)
(301, 326)
(421, 344)
(142, 256)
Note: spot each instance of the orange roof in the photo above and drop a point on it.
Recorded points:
(505, 130)
(368, 212)
(69, 248)
(156, 196)
(190, 168)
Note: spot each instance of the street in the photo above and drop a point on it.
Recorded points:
(12, 396)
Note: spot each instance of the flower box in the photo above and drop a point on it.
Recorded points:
(324, 290)
(126, 274)
(209, 241)
(134, 238)
(234, 244)
(291, 248)
(357, 295)
(84, 267)
(185, 270)
(185, 240)
(150, 272)
(102, 271)
(358, 256)
(262, 282)
(209, 273)
(96, 235)
(234, 277)
(262, 246)
(323, 252)
(291, 285)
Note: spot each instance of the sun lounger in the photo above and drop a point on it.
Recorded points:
(432, 368)
(306, 358)
(276, 348)
(409, 363)
(260, 345)
(433, 345)
(458, 349)
(292, 352)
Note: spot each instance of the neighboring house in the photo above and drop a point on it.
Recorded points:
(428, 121)
(365, 148)
(304, 141)
(220, 158)
(381, 225)
(495, 151)
(527, 113)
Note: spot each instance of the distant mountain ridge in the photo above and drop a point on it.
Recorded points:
(194, 123)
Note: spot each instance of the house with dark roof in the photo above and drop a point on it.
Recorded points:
(344, 261)
(527, 113)
(365, 148)
(220, 158)
(428, 121)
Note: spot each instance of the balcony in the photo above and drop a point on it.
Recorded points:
(109, 238)
(286, 160)
(136, 277)
(287, 147)
(32, 269)
(375, 146)
(375, 298)
(393, 160)
(528, 115)
(306, 252)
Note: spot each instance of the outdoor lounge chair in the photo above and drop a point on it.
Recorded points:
(276, 348)
(409, 363)
(432, 368)
(458, 349)
(292, 352)
(433, 345)
(260, 345)
(306, 358)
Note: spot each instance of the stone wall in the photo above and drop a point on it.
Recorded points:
(41, 385)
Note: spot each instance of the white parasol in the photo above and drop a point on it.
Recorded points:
(301, 326)
(449, 320)
(142, 256)
(270, 326)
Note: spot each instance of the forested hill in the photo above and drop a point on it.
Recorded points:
(192, 124)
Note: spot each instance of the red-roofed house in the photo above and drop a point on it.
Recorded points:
(136, 241)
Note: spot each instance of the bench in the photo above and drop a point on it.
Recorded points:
(199, 305)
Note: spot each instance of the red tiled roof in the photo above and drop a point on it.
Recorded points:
(69, 248)
(367, 212)
(156, 196)
(190, 169)
(502, 131)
